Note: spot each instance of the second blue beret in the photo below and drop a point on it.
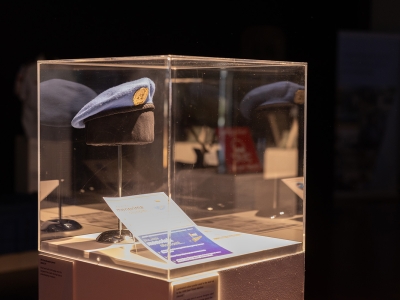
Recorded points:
(281, 92)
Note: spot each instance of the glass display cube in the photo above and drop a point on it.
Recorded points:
(169, 166)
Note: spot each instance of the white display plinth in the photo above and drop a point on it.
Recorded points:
(133, 256)
(244, 244)
(278, 278)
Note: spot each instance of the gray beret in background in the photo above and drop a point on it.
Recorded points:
(60, 100)
(277, 93)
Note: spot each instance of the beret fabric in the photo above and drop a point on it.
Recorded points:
(60, 100)
(120, 96)
(277, 93)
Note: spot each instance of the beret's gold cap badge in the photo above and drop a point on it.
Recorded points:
(299, 97)
(140, 96)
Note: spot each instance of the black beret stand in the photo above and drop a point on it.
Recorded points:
(117, 127)
(264, 116)
(60, 224)
(119, 235)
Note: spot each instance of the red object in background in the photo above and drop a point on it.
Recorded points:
(239, 151)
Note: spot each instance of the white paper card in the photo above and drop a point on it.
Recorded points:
(163, 228)
(149, 213)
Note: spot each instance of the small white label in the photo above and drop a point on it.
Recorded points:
(197, 289)
(55, 278)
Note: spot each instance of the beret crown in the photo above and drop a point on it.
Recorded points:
(129, 94)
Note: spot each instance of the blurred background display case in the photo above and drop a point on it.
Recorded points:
(169, 166)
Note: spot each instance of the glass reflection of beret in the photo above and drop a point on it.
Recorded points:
(274, 94)
(121, 115)
(60, 100)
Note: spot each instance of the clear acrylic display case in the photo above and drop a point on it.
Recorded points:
(220, 182)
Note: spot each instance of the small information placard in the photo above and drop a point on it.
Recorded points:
(55, 278)
(205, 288)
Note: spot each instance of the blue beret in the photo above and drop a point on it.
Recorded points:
(277, 93)
(61, 99)
(129, 94)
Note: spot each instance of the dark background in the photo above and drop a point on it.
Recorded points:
(352, 244)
